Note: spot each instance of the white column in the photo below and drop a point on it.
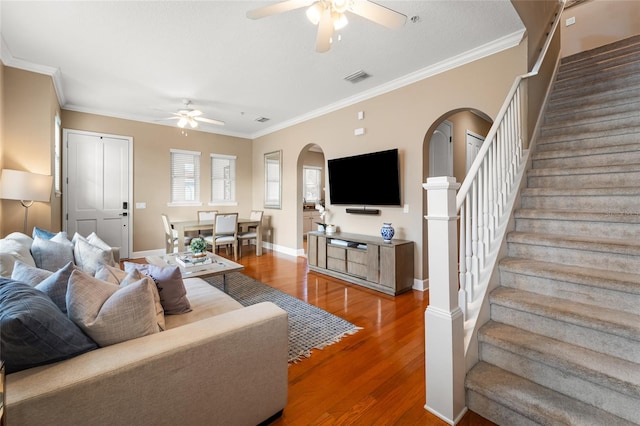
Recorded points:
(444, 322)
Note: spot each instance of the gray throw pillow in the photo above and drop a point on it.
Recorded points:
(108, 313)
(29, 274)
(33, 331)
(173, 294)
(55, 286)
(52, 254)
(91, 252)
(111, 274)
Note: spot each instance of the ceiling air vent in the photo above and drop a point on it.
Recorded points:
(357, 76)
(262, 119)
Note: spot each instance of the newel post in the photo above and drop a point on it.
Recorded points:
(444, 322)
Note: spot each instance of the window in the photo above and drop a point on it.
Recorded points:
(312, 183)
(57, 176)
(272, 180)
(185, 177)
(223, 180)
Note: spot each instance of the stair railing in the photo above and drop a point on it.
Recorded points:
(482, 207)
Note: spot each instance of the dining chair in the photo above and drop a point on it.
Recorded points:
(225, 232)
(206, 215)
(251, 232)
(171, 236)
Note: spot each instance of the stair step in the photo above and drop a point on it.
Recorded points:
(596, 156)
(608, 125)
(599, 329)
(600, 110)
(623, 133)
(603, 87)
(509, 399)
(594, 141)
(594, 119)
(622, 200)
(603, 99)
(613, 225)
(586, 58)
(591, 286)
(614, 254)
(584, 177)
(574, 371)
(599, 69)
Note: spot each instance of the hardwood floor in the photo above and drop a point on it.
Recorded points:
(374, 377)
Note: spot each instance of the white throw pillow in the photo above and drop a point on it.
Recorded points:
(108, 313)
(117, 276)
(14, 246)
(89, 255)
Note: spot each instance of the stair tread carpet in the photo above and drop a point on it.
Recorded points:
(586, 152)
(595, 367)
(605, 320)
(601, 278)
(541, 405)
(577, 242)
(591, 170)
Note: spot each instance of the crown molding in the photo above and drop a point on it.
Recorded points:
(9, 60)
(488, 49)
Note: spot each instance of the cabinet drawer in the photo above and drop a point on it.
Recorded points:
(357, 269)
(336, 252)
(357, 256)
(336, 264)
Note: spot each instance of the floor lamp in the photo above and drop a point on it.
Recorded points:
(26, 187)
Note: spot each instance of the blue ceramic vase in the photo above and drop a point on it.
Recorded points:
(387, 232)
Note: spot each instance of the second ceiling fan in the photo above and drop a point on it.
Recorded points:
(330, 15)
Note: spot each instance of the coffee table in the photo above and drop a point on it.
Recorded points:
(218, 266)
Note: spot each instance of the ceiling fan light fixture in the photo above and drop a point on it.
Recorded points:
(339, 20)
(193, 123)
(340, 6)
(314, 12)
(182, 122)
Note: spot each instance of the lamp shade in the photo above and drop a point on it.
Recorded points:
(19, 185)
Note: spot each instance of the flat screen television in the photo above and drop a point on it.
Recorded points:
(371, 179)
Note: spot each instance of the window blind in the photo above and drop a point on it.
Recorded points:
(185, 177)
(223, 179)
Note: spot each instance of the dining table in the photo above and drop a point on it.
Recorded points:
(183, 226)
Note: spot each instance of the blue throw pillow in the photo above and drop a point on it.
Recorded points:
(42, 233)
(33, 330)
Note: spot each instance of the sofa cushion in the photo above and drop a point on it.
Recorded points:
(15, 246)
(108, 313)
(33, 330)
(52, 254)
(122, 278)
(91, 252)
(206, 301)
(28, 273)
(173, 294)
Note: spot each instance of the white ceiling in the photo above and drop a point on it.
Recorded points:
(138, 60)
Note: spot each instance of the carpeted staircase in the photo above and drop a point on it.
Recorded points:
(563, 343)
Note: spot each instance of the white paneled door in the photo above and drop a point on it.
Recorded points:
(97, 181)
(441, 150)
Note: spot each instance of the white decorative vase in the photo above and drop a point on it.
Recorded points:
(387, 232)
(331, 229)
(320, 228)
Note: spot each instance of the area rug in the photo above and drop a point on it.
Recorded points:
(309, 326)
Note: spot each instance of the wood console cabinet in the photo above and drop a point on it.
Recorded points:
(364, 260)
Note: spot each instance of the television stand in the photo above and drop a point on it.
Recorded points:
(363, 260)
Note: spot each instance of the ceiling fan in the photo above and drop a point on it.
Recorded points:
(330, 15)
(191, 117)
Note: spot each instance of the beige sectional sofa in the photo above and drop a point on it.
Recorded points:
(220, 364)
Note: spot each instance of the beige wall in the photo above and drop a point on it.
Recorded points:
(151, 179)
(1, 139)
(537, 16)
(399, 119)
(599, 22)
(29, 110)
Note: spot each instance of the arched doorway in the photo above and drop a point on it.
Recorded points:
(462, 121)
(311, 190)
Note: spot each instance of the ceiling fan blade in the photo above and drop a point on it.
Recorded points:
(378, 14)
(194, 113)
(325, 31)
(281, 7)
(209, 121)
